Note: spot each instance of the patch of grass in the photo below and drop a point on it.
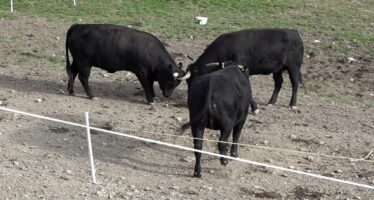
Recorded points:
(365, 100)
(341, 20)
(322, 87)
(334, 97)
(56, 59)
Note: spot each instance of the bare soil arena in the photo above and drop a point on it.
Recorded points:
(46, 160)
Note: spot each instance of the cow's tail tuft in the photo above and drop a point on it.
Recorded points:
(183, 128)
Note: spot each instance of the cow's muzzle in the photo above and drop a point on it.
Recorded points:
(167, 93)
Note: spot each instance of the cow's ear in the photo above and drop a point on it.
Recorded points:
(170, 67)
(180, 65)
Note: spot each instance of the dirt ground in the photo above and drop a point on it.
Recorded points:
(48, 160)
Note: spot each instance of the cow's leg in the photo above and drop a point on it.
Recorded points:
(151, 81)
(278, 80)
(235, 138)
(72, 72)
(83, 75)
(294, 75)
(224, 147)
(254, 106)
(198, 134)
(147, 85)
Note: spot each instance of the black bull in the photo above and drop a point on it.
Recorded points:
(262, 51)
(219, 101)
(114, 48)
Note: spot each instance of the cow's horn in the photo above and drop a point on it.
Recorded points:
(212, 64)
(175, 74)
(186, 76)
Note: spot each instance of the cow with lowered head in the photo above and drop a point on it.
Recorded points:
(218, 100)
(114, 48)
(262, 51)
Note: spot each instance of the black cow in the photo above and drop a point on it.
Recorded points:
(113, 48)
(219, 101)
(262, 51)
(195, 71)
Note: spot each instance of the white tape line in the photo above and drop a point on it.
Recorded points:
(42, 117)
(93, 171)
(191, 149)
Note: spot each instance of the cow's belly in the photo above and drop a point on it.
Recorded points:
(110, 65)
(266, 68)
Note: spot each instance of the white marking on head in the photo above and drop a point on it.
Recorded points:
(175, 74)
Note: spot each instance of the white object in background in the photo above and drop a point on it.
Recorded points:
(201, 20)
(351, 60)
(11, 5)
(74, 3)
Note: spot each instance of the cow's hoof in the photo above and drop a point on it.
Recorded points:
(153, 107)
(234, 154)
(94, 98)
(293, 108)
(197, 175)
(270, 105)
(151, 103)
(256, 111)
(72, 94)
(224, 161)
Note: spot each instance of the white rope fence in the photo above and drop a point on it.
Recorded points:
(184, 148)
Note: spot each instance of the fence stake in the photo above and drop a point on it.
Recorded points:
(11, 5)
(74, 3)
(90, 149)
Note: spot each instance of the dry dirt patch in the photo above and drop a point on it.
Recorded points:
(45, 160)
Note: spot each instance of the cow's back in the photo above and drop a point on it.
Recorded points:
(263, 51)
(114, 47)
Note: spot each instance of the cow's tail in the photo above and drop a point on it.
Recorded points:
(202, 115)
(197, 118)
(68, 66)
(301, 79)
